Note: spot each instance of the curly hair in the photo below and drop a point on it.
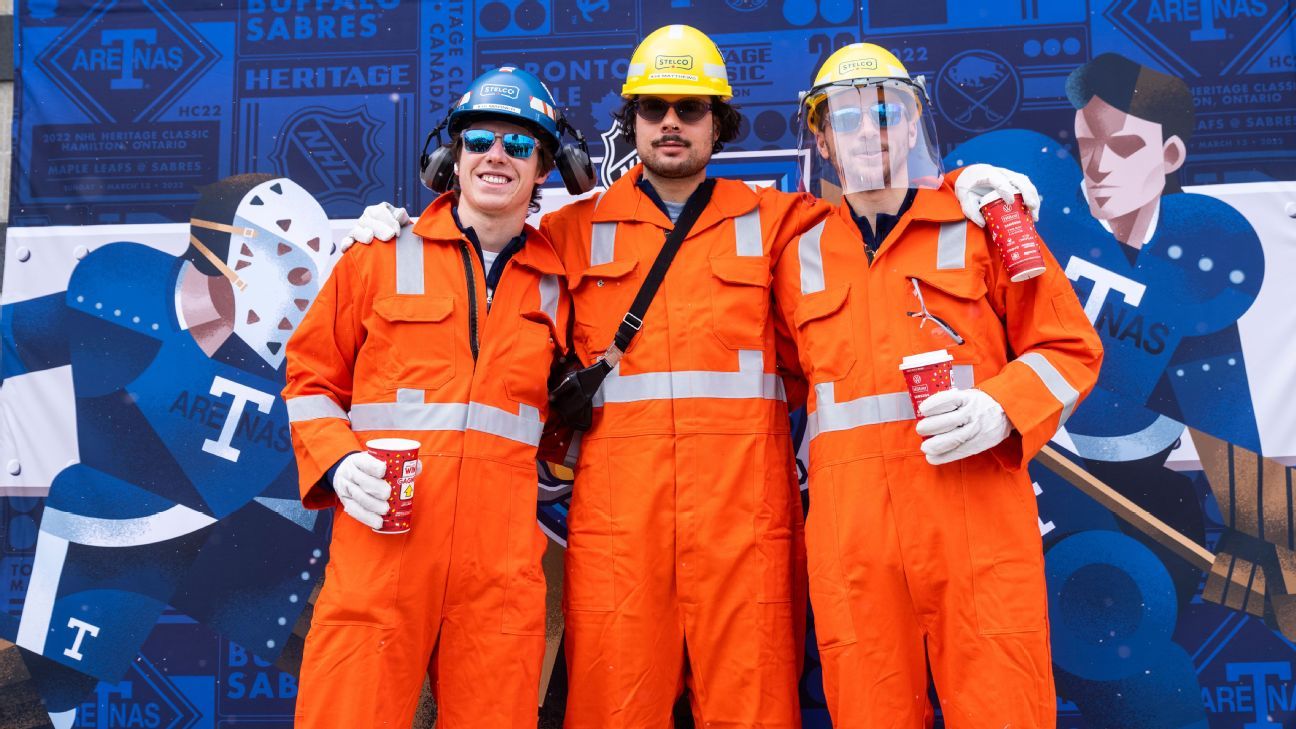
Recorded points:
(725, 116)
(546, 165)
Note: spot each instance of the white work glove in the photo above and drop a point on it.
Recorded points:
(977, 181)
(960, 423)
(359, 484)
(382, 221)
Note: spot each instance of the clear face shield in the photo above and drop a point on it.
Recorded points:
(868, 135)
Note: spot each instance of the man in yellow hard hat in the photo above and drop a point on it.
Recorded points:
(923, 540)
(684, 562)
(685, 522)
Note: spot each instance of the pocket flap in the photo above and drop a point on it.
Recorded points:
(820, 304)
(611, 269)
(746, 270)
(961, 284)
(416, 307)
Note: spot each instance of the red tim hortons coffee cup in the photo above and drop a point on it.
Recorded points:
(401, 457)
(1014, 234)
(927, 374)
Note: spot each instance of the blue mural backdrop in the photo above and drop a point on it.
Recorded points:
(156, 567)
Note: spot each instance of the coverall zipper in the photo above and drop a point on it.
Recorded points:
(472, 299)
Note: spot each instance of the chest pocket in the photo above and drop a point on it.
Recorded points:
(826, 332)
(529, 358)
(602, 295)
(414, 337)
(954, 304)
(740, 299)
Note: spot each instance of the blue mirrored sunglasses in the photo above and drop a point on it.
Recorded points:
(517, 146)
(884, 114)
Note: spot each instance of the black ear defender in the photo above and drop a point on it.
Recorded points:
(436, 169)
(573, 161)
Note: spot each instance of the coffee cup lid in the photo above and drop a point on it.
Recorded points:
(392, 444)
(988, 198)
(926, 359)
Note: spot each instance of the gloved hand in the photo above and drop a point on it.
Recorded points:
(360, 487)
(977, 181)
(382, 221)
(960, 423)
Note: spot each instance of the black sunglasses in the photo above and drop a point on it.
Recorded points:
(690, 111)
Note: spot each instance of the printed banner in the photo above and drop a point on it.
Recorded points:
(158, 566)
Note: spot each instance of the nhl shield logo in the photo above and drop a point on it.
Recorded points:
(618, 155)
(330, 151)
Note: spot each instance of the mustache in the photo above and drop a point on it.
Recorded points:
(668, 138)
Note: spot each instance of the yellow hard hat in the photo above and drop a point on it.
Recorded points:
(677, 60)
(855, 64)
(860, 61)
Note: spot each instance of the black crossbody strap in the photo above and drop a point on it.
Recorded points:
(633, 320)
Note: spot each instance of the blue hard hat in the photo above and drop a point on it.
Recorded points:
(513, 95)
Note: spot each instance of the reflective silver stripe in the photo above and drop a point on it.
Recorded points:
(951, 246)
(749, 382)
(714, 70)
(602, 243)
(812, 275)
(747, 234)
(408, 413)
(1157, 437)
(751, 360)
(313, 407)
(635, 69)
(830, 415)
(549, 296)
(524, 427)
(409, 262)
(1054, 381)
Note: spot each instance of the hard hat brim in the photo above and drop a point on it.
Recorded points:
(673, 88)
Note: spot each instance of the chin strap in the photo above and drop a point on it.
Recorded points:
(218, 263)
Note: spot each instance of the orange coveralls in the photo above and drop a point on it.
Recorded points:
(684, 536)
(912, 563)
(399, 344)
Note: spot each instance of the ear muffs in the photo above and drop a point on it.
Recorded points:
(573, 161)
(436, 169)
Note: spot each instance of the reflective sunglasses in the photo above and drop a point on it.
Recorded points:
(884, 114)
(926, 316)
(517, 146)
(690, 111)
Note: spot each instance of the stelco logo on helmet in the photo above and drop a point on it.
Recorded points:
(860, 64)
(681, 63)
(500, 90)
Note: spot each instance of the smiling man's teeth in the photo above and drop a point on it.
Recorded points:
(497, 179)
